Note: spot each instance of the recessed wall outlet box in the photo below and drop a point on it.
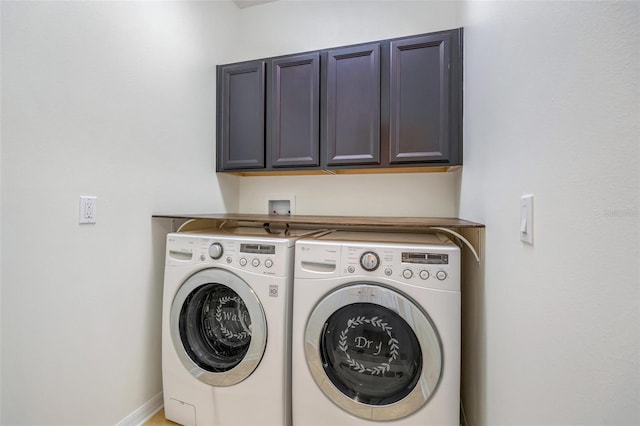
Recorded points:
(88, 209)
(526, 218)
(282, 206)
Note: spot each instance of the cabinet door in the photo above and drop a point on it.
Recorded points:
(420, 94)
(351, 109)
(293, 106)
(240, 110)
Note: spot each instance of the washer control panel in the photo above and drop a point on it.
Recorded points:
(265, 258)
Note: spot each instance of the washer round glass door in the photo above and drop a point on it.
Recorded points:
(218, 327)
(373, 351)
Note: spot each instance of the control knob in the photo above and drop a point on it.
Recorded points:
(369, 261)
(215, 250)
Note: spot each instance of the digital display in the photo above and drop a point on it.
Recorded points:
(425, 258)
(258, 248)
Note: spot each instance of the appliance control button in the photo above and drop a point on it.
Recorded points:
(255, 262)
(407, 273)
(202, 257)
(388, 272)
(369, 261)
(243, 261)
(229, 259)
(351, 269)
(441, 275)
(268, 263)
(215, 250)
(424, 274)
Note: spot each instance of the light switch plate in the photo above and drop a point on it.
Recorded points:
(526, 218)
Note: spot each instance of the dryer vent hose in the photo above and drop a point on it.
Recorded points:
(460, 238)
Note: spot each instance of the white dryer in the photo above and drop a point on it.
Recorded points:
(226, 332)
(376, 330)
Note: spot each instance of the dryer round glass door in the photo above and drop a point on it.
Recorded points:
(218, 327)
(373, 351)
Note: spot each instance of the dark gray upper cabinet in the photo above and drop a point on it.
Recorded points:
(293, 105)
(386, 104)
(351, 105)
(240, 116)
(423, 85)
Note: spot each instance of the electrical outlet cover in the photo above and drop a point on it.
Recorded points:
(88, 209)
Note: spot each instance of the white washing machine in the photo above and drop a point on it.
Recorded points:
(226, 332)
(376, 330)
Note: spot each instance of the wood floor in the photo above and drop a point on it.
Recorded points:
(159, 420)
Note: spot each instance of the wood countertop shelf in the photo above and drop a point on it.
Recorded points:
(334, 222)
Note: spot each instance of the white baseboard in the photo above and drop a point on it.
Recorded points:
(144, 412)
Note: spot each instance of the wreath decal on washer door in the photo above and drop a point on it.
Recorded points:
(392, 343)
(219, 317)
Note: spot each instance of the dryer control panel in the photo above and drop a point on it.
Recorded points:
(431, 266)
(425, 265)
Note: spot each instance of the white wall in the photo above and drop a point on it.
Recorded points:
(552, 108)
(116, 100)
(421, 194)
(285, 27)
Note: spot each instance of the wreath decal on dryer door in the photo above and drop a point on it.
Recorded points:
(220, 318)
(392, 343)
